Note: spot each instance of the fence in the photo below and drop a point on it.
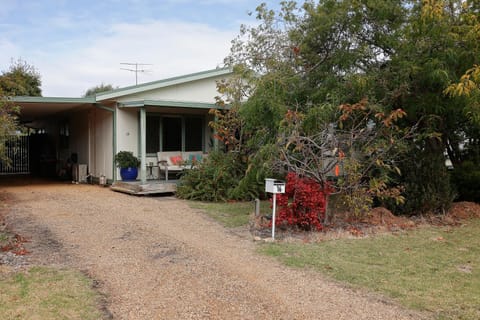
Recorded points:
(17, 152)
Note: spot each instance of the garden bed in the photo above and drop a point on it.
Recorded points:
(378, 220)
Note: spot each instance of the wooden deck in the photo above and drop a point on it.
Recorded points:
(150, 187)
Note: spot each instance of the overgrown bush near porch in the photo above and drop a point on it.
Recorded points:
(212, 179)
(220, 177)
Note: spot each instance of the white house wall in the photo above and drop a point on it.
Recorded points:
(127, 131)
(78, 135)
(203, 91)
(101, 145)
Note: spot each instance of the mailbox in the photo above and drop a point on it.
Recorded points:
(274, 186)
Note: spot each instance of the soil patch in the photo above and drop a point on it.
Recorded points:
(464, 210)
(12, 249)
(378, 220)
(382, 219)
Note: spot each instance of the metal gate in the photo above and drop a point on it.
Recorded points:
(17, 151)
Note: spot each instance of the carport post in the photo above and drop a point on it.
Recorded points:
(143, 145)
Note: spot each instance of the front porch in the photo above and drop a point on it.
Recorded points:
(145, 188)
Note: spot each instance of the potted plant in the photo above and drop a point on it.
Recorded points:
(128, 164)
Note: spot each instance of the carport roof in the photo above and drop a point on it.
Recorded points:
(37, 107)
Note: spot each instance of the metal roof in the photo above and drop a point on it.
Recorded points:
(36, 107)
(162, 83)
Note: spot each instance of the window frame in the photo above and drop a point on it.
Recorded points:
(161, 116)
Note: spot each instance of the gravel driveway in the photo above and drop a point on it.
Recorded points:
(156, 258)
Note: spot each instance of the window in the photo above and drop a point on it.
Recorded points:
(174, 133)
(153, 134)
(193, 134)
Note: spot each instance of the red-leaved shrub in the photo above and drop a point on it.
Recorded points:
(302, 205)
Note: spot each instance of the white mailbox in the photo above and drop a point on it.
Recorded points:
(274, 186)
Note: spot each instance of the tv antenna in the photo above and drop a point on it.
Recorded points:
(137, 69)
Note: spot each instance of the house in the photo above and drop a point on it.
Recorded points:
(166, 115)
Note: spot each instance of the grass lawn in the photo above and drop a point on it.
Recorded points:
(231, 214)
(436, 269)
(45, 293)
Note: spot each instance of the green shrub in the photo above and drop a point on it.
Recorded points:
(251, 183)
(212, 179)
(227, 176)
(466, 178)
(126, 159)
(427, 185)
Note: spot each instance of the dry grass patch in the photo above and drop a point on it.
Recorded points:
(46, 293)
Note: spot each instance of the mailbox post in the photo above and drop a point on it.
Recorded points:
(274, 186)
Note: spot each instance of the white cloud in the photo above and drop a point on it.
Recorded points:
(174, 48)
(8, 50)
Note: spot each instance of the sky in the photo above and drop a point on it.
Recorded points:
(76, 45)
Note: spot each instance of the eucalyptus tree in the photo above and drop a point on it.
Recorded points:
(21, 79)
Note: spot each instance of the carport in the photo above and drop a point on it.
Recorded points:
(59, 136)
(65, 135)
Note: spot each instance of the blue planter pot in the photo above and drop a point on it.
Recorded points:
(128, 174)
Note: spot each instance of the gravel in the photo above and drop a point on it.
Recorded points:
(156, 258)
(12, 260)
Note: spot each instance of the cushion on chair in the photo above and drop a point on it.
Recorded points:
(195, 158)
(166, 155)
(176, 160)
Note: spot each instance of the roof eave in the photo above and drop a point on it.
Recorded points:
(26, 99)
(167, 103)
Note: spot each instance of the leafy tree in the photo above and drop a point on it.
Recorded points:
(8, 126)
(97, 89)
(468, 87)
(387, 64)
(231, 130)
(360, 151)
(21, 79)
(441, 43)
(266, 58)
(305, 62)
(438, 50)
(238, 174)
(343, 46)
(397, 54)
